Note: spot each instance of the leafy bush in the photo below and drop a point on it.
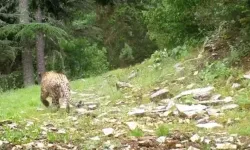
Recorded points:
(217, 69)
(84, 59)
(11, 81)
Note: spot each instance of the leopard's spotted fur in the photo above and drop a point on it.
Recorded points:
(56, 86)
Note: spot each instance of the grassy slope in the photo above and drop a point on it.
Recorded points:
(21, 105)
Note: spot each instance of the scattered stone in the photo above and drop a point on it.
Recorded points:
(73, 92)
(96, 138)
(203, 120)
(165, 114)
(181, 79)
(17, 147)
(190, 86)
(246, 76)
(225, 100)
(61, 131)
(108, 131)
(29, 123)
(92, 107)
(5, 122)
(132, 125)
(236, 85)
(209, 125)
(133, 74)
(28, 145)
(40, 145)
(39, 109)
(196, 92)
(216, 97)
(207, 141)
(137, 112)
(192, 148)
(195, 73)
(161, 139)
(178, 67)
(86, 95)
(195, 138)
(159, 95)
(191, 110)
(12, 125)
(213, 112)
(81, 110)
(222, 146)
(178, 145)
(121, 85)
(224, 139)
(229, 106)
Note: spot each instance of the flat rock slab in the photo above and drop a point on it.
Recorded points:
(229, 106)
(159, 95)
(190, 110)
(137, 112)
(225, 100)
(209, 125)
(226, 146)
(196, 92)
(108, 131)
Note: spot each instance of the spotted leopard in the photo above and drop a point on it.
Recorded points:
(56, 86)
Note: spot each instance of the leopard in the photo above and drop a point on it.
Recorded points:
(55, 85)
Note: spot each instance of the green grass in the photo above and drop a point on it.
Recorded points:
(137, 132)
(162, 130)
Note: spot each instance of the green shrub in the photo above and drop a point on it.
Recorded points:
(11, 81)
(84, 59)
(215, 70)
(136, 132)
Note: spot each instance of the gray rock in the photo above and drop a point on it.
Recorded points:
(216, 97)
(213, 112)
(227, 145)
(92, 107)
(195, 138)
(1, 143)
(133, 75)
(209, 125)
(236, 85)
(192, 148)
(159, 95)
(108, 131)
(202, 92)
(121, 85)
(137, 112)
(161, 139)
(229, 106)
(246, 76)
(132, 125)
(191, 110)
(225, 100)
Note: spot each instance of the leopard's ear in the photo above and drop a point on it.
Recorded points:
(39, 74)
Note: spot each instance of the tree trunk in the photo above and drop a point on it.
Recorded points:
(28, 69)
(40, 45)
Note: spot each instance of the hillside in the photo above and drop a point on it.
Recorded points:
(144, 106)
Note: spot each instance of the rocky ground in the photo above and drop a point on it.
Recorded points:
(186, 120)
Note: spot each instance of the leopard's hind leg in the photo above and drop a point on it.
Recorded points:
(55, 102)
(44, 95)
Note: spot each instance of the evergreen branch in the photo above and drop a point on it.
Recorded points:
(30, 30)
